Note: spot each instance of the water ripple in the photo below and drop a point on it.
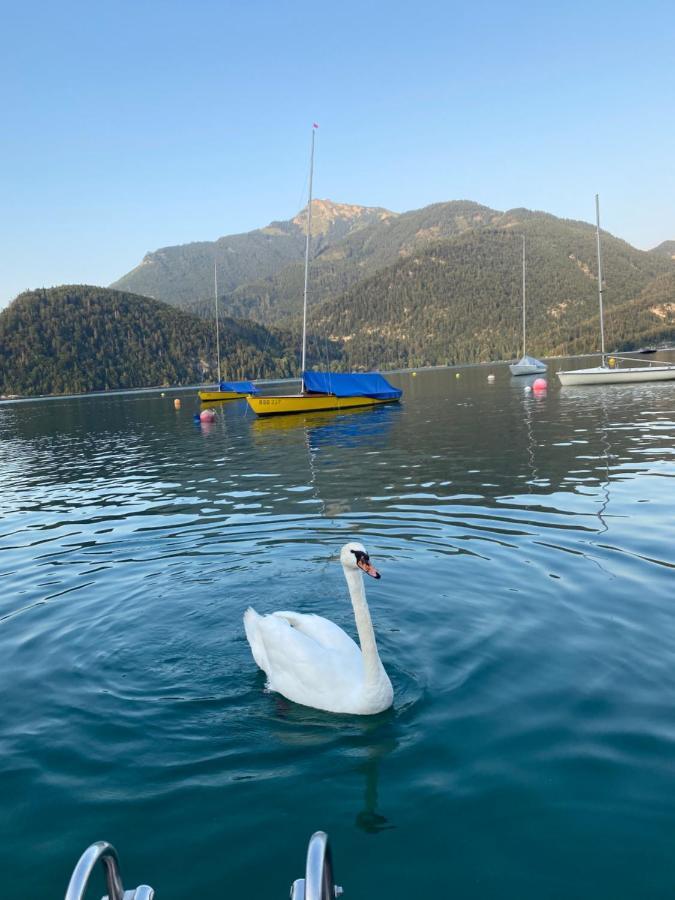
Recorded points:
(525, 616)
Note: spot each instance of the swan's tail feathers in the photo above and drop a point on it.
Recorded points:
(252, 628)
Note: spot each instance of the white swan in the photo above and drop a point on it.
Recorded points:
(311, 660)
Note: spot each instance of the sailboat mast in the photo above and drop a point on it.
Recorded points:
(309, 233)
(597, 233)
(523, 295)
(215, 292)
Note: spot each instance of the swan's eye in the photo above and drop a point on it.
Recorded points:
(361, 557)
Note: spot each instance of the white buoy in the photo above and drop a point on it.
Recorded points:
(528, 389)
(491, 378)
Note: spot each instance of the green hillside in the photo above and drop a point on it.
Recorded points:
(562, 258)
(459, 300)
(396, 270)
(81, 338)
(433, 286)
(338, 265)
(647, 320)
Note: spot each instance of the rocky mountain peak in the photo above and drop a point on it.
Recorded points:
(329, 217)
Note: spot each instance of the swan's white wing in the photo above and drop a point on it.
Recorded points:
(307, 672)
(323, 631)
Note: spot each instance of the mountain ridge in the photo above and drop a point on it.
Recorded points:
(459, 300)
(427, 287)
(351, 244)
(183, 274)
(665, 248)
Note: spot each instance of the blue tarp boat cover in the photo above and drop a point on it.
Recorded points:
(242, 387)
(351, 384)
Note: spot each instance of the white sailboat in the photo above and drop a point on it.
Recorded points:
(610, 371)
(527, 365)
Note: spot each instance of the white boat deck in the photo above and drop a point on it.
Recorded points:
(607, 375)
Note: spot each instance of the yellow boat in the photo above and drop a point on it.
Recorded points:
(307, 403)
(327, 390)
(210, 396)
(324, 390)
(228, 390)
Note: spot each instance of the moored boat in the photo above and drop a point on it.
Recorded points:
(526, 365)
(228, 390)
(224, 390)
(324, 390)
(607, 375)
(610, 370)
(329, 390)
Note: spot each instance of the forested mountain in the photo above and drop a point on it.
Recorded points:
(353, 244)
(82, 338)
(647, 320)
(433, 286)
(667, 248)
(183, 275)
(459, 300)
(337, 265)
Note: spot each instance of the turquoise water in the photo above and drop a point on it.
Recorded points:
(525, 615)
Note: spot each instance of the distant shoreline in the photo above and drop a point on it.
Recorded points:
(272, 381)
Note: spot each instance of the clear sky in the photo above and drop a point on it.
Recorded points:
(128, 126)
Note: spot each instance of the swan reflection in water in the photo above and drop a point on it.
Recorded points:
(369, 819)
(370, 739)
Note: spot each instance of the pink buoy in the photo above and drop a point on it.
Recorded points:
(207, 415)
(540, 384)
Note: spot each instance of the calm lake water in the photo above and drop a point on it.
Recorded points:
(525, 613)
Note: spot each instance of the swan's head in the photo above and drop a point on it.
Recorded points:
(355, 556)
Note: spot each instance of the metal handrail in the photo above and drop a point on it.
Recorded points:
(318, 883)
(106, 854)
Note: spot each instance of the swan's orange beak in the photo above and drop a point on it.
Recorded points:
(367, 568)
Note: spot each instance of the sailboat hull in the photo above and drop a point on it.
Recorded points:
(605, 375)
(518, 369)
(210, 396)
(306, 403)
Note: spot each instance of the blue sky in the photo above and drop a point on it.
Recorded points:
(131, 126)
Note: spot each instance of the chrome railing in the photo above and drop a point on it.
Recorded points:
(106, 854)
(318, 883)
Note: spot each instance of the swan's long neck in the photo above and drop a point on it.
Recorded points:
(364, 625)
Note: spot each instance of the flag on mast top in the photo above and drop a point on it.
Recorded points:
(314, 125)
